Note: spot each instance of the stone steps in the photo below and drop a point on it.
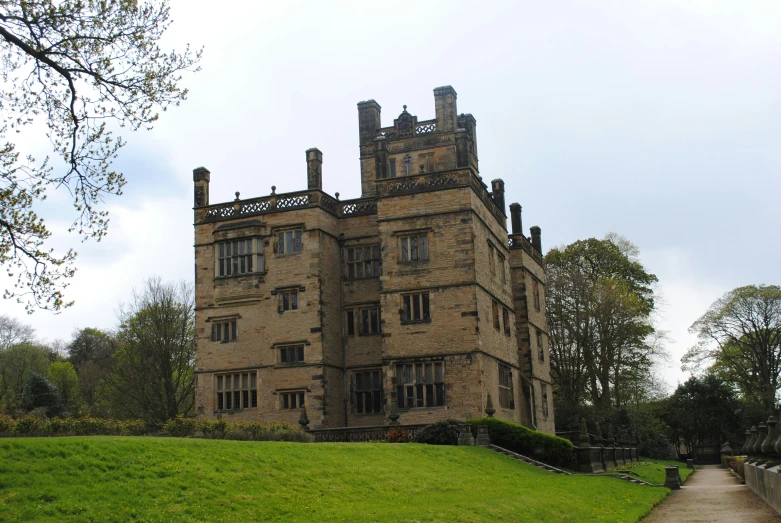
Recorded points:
(549, 468)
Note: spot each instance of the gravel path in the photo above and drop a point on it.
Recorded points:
(713, 494)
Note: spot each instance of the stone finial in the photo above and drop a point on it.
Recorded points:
(761, 433)
(304, 419)
(393, 413)
(768, 444)
(273, 189)
(598, 440)
(584, 441)
(336, 195)
(610, 439)
(489, 406)
(237, 196)
(744, 448)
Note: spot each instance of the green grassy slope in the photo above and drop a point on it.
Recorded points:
(652, 471)
(170, 479)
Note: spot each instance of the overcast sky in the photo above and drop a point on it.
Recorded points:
(661, 122)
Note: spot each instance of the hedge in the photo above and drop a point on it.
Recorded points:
(236, 430)
(552, 450)
(444, 432)
(42, 426)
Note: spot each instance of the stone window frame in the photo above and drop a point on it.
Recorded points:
(506, 318)
(422, 381)
(425, 163)
(232, 386)
(289, 295)
(495, 315)
(354, 320)
(407, 309)
(373, 263)
(280, 233)
(374, 393)
(227, 324)
(492, 259)
(292, 399)
(540, 347)
(501, 261)
(291, 355)
(506, 388)
(544, 399)
(536, 293)
(392, 170)
(255, 259)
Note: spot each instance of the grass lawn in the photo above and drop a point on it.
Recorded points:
(652, 471)
(170, 479)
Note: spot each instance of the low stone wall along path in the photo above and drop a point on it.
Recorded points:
(713, 494)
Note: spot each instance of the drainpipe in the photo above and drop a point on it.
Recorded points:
(341, 328)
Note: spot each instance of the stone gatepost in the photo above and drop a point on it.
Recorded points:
(672, 478)
(483, 439)
(465, 437)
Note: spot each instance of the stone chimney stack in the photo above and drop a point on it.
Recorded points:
(201, 177)
(536, 238)
(314, 169)
(368, 121)
(515, 218)
(445, 106)
(497, 188)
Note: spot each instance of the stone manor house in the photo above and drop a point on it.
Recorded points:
(413, 293)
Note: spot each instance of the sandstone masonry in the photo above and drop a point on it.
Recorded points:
(413, 294)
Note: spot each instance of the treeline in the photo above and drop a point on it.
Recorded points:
(141, 370)
(605, 350)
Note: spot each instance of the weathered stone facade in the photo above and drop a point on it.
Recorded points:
(413, 293)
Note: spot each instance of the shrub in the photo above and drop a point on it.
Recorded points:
(443, 432)
(535, 444)
(397, 435)
(180, 427)
(6, 424)
(242, 430)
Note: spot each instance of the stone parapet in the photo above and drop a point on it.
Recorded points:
(765, 482)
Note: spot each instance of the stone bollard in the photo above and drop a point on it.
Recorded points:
(690, 464)
(465, 437)
(483, 439)
(672, 478)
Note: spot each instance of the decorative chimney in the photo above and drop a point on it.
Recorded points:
(314, 169)
(536, 238)
(515, 218)
(445, 107)
(201, 177)
(497, 188)
(368, 120)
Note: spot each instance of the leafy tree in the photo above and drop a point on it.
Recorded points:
(740, 337)
(153, 373)
(91, 353)
(13, 331)
(63, 376)
(16, 365)
(704, 411)
(41, 393)
(599, 305)
(80, 68)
